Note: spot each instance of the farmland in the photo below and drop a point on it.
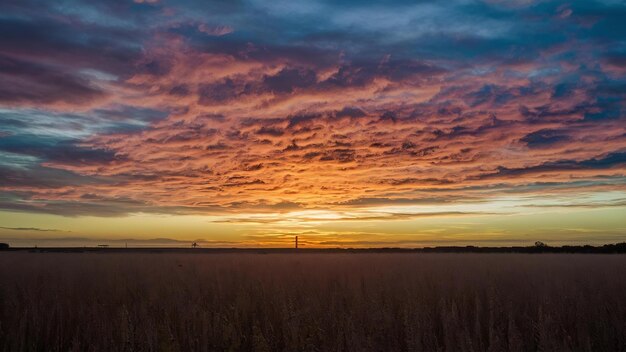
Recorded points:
(311, 302)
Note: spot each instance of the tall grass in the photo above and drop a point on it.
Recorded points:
(312, 302)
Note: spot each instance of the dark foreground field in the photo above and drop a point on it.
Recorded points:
(311, 302)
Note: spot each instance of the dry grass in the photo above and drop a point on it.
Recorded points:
(312, 302)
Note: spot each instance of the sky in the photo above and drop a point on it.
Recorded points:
(242, 123)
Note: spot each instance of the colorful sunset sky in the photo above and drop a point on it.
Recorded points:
(242, 123)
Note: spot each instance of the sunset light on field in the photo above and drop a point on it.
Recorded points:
(348, 124)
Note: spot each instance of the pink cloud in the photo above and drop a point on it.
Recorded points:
(215, 30)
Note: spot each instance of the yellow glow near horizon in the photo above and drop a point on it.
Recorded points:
(404, 226)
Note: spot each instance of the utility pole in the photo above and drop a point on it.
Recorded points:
(296, 242)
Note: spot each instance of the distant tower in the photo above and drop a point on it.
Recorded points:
(296, 242)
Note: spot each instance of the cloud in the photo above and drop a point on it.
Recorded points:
(86, 205)
(58, 152)
(306, 217)
(218, 92)
(543, 138)
(215, 30)
(351, 112)
(607, 162)
(36, 229)
(168, 109)
(288, 79)
(270, 131)
(50, 38)
(31, 241)
(618, 203)
(41, 177)
(35, 84)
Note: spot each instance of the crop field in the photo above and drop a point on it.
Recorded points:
(311, 302)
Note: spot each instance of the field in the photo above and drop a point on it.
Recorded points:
(311, 302)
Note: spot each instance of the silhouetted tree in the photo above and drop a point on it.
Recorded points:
(194, 245)
(4, 246)
(540, 244)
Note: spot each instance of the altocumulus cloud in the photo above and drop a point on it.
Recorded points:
(182, 107)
